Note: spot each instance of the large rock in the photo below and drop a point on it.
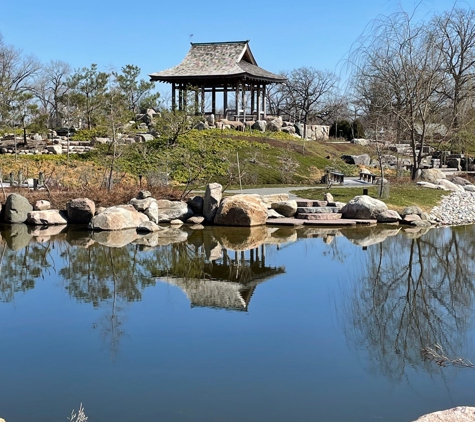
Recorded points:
(241, 210)
(47, 218)
(196, 204)
(285, 208)
(41, 205)
(274, 197)
(118, 218)
(142, 204)
(212, 199)
(274, 125)
(448, 185)
(259, 125)
(17, 208)
(388, 216)
(363, 160)
(80, 210)
(411, 210)
(363, 207)
(432, 175)
(456, 414)
(169, 210)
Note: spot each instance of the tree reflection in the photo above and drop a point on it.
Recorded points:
(19, 269)
(413, 293)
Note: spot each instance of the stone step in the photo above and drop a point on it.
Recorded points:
(317, 210)
(322, 216)
(311, 203)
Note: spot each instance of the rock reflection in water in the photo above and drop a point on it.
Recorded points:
(413, 293)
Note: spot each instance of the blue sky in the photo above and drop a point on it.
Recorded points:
(155, 35)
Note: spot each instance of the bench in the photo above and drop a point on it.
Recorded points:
(368, 177)
(337, 177)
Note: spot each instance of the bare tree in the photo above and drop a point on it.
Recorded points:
(398, 72)
(51, 89)
(456, 40)
(16, 73)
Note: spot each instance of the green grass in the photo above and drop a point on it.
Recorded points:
(401, 195)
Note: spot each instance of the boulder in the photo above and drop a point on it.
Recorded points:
(411, 218)
(47, 218)
(276, 197)
(328, 197)
(360, 141)
(143, 137)
(117, 218)
(210, 120)
(196, 219)
(259, 125)
(41, 205)
(212, 199)
(289, 129)
(80, 210)
(169, 210)
(148, 227)
(285, 208)
(389, 216)
(448, 185)
(413, 209)
(142, 204)
(456, 414)
(432, 175)
(460, 181)
(17, 208)
(273, 214)
(363, 207)
(430, 185)
(55, 149)
(274, 125)
(359, 160)
(144, 194)
(196, 204)
(241, 210)
(469, 188)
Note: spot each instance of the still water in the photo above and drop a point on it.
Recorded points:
(223, 324)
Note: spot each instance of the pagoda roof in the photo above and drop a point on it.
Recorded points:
(217, 60)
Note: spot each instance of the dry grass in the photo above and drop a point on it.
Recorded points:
(120, 194)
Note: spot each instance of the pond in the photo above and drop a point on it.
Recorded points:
(227, 324)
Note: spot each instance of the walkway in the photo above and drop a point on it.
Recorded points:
(350, 182)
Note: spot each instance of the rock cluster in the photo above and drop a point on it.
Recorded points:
(269, 124)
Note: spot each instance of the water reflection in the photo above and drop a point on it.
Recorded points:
(413, 292)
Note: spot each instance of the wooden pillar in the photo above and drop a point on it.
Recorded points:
(173, 96)
(202, 100)
(225, 100)
(243, 99)
(185, 98)
(180, 98)
(259, 102)
(213, 100)
(264, 100)
(253, 91)
(237, 98)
